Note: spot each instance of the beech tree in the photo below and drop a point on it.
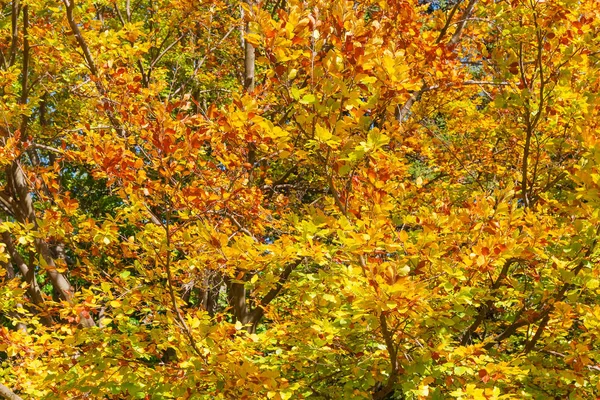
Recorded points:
(299, 199)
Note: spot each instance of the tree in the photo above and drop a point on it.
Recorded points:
(299, 199)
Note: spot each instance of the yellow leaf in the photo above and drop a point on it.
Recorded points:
(403, 236)
(404, 270)
(322, 134)
(308, 99)
(253, 39)
(105, 287)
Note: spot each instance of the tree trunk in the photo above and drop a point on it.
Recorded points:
(8, 394)
(25, 213)
(249, 54)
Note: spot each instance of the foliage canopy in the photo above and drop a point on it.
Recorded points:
(277, 199)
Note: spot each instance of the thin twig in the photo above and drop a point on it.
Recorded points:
(184, 325)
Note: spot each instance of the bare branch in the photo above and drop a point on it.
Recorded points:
(8, 394)
(259, 311)
(483, 309)
(69, 4)
(165, 51)
(48, 148)
(167, 265)
(16, 8)
(448, 22)
(462, 23)
(388, 337)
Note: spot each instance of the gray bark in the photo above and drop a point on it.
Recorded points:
(6, 393)
(249, 56)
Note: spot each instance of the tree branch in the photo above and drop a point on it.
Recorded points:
(448, 22)
(259, 311)
(462, 23)
(70, 4)
(466, 338)
(167, 264)
(545, 310)
(8, 394)
(16, 8)
(249, 56)
(388, 337)
(25, 73)
(560, 296)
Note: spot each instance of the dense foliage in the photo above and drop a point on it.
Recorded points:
(276, 199)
